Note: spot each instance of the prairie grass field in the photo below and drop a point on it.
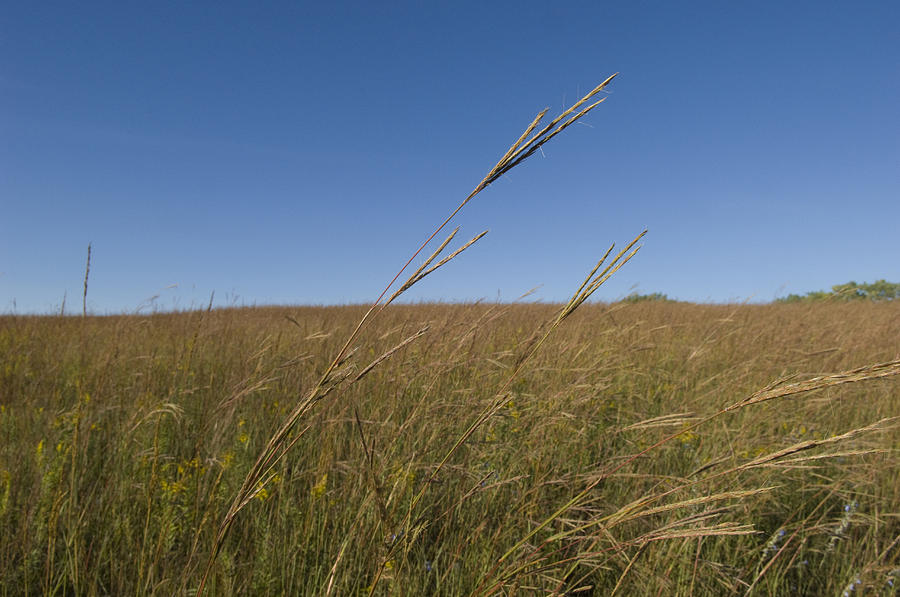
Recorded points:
(641, 448)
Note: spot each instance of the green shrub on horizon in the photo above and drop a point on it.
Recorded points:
(880, 290)
(638, 298)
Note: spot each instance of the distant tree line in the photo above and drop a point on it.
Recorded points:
(880, 290)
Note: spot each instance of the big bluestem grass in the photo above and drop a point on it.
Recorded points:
(517, 449)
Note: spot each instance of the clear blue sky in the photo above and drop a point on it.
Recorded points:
(299, 152)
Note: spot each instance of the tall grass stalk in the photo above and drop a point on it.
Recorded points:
(340, 369)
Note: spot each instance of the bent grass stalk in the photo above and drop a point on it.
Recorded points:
(637, 509)
(339, 370)
(591, 283)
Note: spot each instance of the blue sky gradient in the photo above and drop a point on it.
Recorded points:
(285, 153)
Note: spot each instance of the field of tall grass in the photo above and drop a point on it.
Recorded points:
(125, 439)
(635, 448)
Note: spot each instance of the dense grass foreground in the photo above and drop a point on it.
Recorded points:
(124, 440)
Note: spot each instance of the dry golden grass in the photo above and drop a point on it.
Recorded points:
(126, 437)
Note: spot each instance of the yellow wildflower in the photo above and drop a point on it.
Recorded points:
(4, 493)
(318, 490)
